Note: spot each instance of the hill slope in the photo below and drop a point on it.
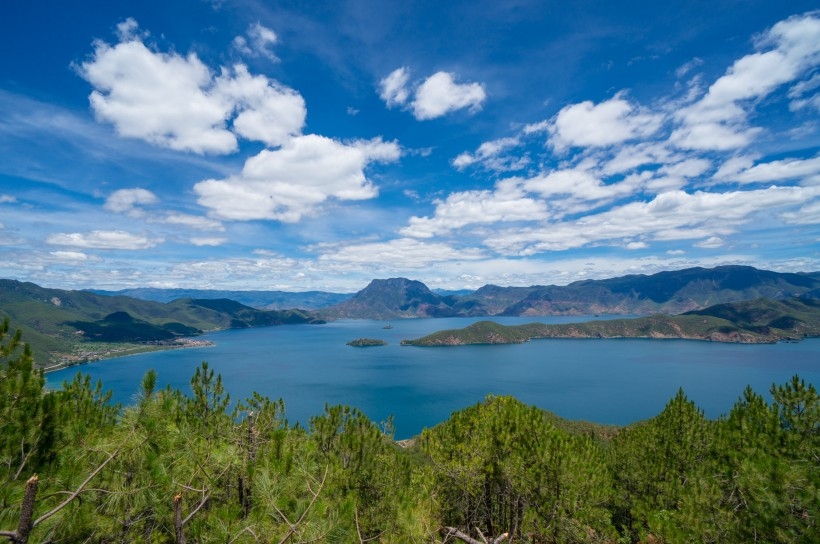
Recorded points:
(55, 322)
(390, 299)
(760, 321)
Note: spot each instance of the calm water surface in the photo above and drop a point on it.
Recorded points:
(608, 381)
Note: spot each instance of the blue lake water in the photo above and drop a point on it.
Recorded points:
(607, 381)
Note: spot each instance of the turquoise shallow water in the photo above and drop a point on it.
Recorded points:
(608, 381)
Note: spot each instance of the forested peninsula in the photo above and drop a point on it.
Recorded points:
(753, 322)
(194, 467)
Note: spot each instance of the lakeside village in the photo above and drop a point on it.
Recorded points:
(87, 353)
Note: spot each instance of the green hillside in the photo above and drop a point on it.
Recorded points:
(760, 321)
(67, 327)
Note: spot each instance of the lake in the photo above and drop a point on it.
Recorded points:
(606, 381)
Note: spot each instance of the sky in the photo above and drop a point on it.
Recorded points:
(296, 146)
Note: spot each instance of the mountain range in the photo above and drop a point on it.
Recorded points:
(665, 292)
(60, 323)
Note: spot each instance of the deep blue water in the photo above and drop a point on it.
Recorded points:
(607, 381)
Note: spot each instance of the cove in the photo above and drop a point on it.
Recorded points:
(607, 381)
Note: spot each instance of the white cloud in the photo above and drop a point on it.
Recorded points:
(632, 246)
(393, 88)
(733, 165)
(7, 199)
(127, 200)
(675, 215)
(506, 203)
(490, 156)
(677, 175)
(630, 156)
(688, 67)
(195, 222)
(71, 256)
(402, 252)
(773, 171)
(808, 214)
(577, 184)
(719, 119)
(611, 122)
(266, 111)
(208, 241)
(713, 242)
(104, 239)
(258, 43)
(293, 181)
(177, 102)
(439, 94)
(435, 97)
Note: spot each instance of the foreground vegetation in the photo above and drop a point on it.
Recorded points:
(186, 468)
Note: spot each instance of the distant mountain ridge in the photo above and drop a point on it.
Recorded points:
(263, 300)
(670, 292)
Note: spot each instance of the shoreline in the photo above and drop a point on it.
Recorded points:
(135, 349)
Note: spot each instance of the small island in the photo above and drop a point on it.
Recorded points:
(366, 342)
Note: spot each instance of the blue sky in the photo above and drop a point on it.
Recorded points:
(242, 144)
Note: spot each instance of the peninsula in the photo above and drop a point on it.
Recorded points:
(753, 322)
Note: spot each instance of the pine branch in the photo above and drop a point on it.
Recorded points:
(77, 491)
(452, 531)
(294, 526)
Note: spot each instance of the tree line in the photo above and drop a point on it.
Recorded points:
(196, 467)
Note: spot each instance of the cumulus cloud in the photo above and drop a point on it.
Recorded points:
(104, 239)
(611, 122)
(257, 43)
(435, 97)
(176, 101)
(290, 182)
(440, 94)
(718, 121)
(265, 110)
(393, 88)
(127, 200)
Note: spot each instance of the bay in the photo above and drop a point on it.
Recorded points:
(616, 381)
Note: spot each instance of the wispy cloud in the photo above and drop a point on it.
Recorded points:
(104, 239)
